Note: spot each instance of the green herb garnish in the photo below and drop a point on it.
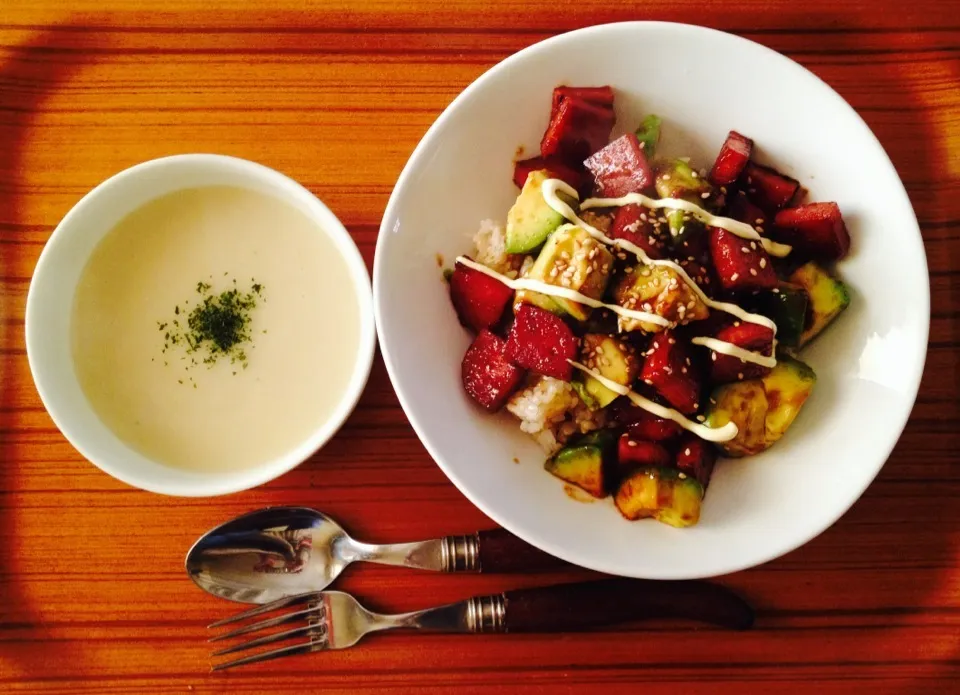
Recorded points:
(218, 327)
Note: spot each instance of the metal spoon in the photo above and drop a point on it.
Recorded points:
(283, 551)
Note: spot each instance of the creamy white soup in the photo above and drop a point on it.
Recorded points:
(215, 328)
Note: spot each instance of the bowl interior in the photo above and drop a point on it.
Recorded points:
(703, 83)
(50, 303)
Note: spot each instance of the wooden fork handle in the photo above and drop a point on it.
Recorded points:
(566, 607)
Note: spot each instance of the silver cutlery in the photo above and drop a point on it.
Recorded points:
(278, 552)
(335, 620)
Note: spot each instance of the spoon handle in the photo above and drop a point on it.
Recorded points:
(494, 550)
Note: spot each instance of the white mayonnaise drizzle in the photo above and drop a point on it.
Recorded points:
(711, 434)
(565, 292)
(740, 229)
(725, 348)
(549, 190)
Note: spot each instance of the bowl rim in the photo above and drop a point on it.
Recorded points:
(190, 483)
(919, 338)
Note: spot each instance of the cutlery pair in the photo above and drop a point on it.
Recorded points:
(283, 557)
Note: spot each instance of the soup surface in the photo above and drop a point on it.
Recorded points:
(215, 328)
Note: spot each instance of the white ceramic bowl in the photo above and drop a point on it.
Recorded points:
(703, 83)
(50, 301)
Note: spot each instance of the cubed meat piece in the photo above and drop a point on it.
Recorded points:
(540, 341)
(696, 458)
(815, 229)
(670, 370)
(741, 265)
(649, 427)
(601, 96)
(620, 168)
(637, 225)
(767, 187)
(733, 157)
(632, 452)
(478, 298)
(740, 208)
(577, 130)
(489, 377)
(554, 167)
(749, 336)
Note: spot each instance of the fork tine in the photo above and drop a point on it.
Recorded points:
(265, 608)
(270, 622)
(301, 648)
(275, 637)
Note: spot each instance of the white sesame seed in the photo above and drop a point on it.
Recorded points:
(672, 341)
(648, 382)
(701, 418)
(630, 442)
(683, 370)
(686, 452)
(740, 375)
(705, 195)
(763, 262)
(736, 323)
(759, 220)
(753, 245)
(666, 177)
(759, 230)
(694, 174)
(776, 291)
(734, 277)
(713, 356)
(744, 249)
(749, 179)
(682, 476)
(753, 272)
(696, 405)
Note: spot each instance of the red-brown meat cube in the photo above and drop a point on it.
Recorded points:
(767, 187)
(741, 265)
(633, 452)
(649, 427)
(635, 224)
(620, 168)
(553, 166)
(577, 130)
(749, 336)
(541, 342)
(601, 96)
(733, 157)
(815, 229)
(478, 298)
(696, 458)
(740, 208)
(668, 367)
(488, 376)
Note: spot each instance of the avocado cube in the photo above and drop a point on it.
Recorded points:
(531, 219)
(657, 289)
(573, 259)
(763, 409)
(677, 179)
(665, 494)
(586, 463)
(787, 306)
(828, 298)
(615, 359)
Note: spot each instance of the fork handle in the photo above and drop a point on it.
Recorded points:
(567, 607)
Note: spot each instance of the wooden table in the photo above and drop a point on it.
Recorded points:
(93, 597)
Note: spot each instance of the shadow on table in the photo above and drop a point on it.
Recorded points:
(895, 537)
(29, 73)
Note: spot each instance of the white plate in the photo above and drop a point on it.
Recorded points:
(703, 83)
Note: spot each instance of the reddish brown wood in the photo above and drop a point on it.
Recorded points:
(501, 551)
(610, 602)
(93, 598)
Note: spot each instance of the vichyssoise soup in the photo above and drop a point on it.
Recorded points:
(215, 328)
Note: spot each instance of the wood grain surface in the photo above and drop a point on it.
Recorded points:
(93, 597)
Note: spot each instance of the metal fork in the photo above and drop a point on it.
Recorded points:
(335, 620)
